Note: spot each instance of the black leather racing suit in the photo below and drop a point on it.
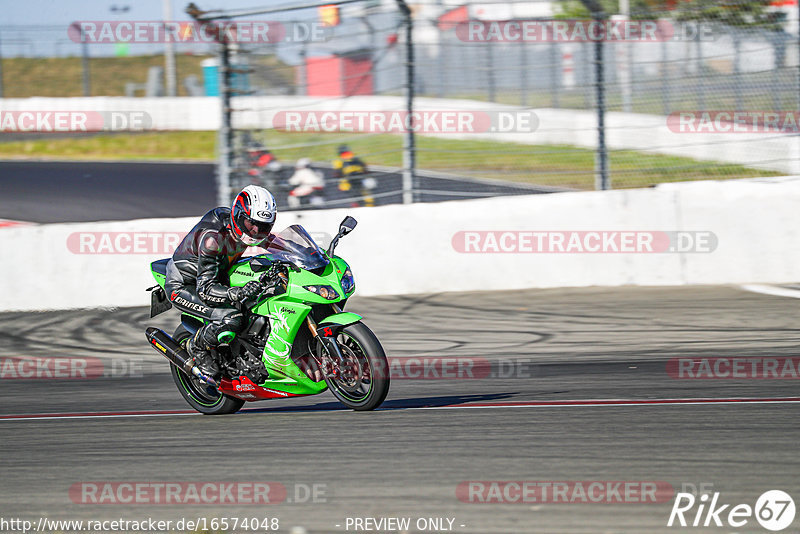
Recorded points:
(197, 276)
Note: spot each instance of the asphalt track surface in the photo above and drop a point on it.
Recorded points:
(51, 192)
(407, 459)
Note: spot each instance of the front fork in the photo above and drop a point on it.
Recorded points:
(331, 355)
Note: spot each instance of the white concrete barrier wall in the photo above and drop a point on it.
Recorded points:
(409, 249)
(630, 131)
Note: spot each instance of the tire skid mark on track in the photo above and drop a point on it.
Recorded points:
(546, 351)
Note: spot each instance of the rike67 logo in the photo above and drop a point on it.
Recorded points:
(774, 510)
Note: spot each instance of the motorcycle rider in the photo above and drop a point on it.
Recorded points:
(197, 276)
(265, 169)
(352, 171)
(308, 183)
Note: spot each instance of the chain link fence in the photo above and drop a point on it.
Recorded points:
(504, 98)
(683, 92)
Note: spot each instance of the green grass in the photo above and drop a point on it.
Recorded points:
(144, 146)
(554, 165)
(63, 76)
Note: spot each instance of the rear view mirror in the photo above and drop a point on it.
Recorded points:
(345, 228)
(347, 225)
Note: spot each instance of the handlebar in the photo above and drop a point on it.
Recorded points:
(284, 267)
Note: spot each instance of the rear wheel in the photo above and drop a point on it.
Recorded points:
(362, 382)
(200, 396)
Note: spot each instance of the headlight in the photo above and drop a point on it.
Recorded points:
(348, 283)
(326, 292)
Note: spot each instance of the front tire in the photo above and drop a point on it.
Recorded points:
(202, 397)
(364, 382)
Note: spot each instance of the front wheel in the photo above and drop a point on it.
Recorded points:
(362, 381)
(200, 396)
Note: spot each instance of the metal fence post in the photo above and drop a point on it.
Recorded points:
(225, 141)
(602, 180)
(84, 61)
(409, 149)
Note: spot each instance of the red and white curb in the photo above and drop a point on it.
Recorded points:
(7, 223)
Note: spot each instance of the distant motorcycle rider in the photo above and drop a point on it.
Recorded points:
(307, 183)
(265, 169)
(197, 276)
(353, 175)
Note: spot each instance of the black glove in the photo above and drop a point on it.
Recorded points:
(274, 271)
(271, 276)
(241, 294)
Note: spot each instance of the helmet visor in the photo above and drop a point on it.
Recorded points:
(256, 229)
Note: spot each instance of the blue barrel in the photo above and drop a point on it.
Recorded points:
(210, 76)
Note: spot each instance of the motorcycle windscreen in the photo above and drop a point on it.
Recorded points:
(295, 245)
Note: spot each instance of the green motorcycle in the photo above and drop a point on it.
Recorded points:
(298, 341)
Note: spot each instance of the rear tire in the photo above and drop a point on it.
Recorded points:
(202, 397)
(352, 389)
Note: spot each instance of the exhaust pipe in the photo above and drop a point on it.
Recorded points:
(176, 354)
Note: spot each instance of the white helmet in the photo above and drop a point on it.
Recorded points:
(253, 214)
(303, 163)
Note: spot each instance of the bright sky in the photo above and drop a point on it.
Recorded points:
(56, 12)
(18, 41)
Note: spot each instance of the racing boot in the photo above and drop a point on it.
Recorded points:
(200, 351)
